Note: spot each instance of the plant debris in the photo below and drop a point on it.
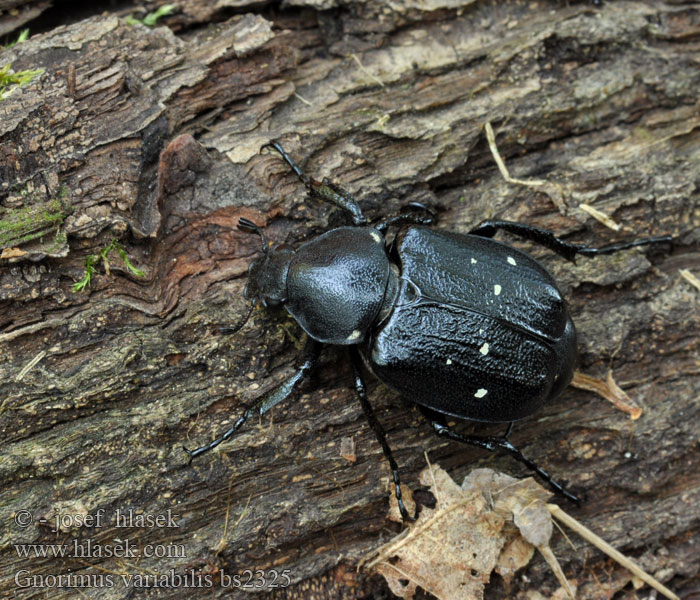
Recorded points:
(493, 522)
(609, 390)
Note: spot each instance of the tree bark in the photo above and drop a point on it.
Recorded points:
(152, 137)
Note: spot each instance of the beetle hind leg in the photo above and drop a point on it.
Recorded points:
(499, 443)
(378, 431)
(568, 250)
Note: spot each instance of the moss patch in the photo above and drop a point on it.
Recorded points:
(11, 80)
(21, 225)
(103, 257)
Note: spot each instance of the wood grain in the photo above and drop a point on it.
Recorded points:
(153, 137)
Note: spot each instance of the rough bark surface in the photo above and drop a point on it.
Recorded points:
(153, 136)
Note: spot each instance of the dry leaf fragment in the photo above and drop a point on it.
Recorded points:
(451, 550)
(347, 449)
(515, 555)
(492, 522)
(12, 253)
(609, 390)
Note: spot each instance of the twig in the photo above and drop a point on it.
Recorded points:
(365, 71)
(688, 276)
(553, 190)
(30, 365)
(491, 138)
(553, 563)
(599, 216)
(602, 545)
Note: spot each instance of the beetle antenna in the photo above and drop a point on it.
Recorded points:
(248, 226)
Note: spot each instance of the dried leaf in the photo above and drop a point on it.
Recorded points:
(534, 523)
(515, 555)
(12, 253)
(451, 550)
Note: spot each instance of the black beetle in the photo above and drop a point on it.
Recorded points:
(462, 325)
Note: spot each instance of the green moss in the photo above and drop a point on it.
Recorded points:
(102, 256)
(22, 37)
(21, 225)
(151, 19)
(10, 81)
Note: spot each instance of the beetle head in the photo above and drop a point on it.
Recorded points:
(267, 274)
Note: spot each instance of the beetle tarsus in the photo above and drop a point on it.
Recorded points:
(611, 248)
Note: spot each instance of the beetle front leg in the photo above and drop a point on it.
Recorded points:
(494, 443)
(324, 190)
(404, 220)
(407, 218)
(566, 249)
(378, 430)
(310, 354)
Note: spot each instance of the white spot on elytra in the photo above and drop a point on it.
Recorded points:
(480, 393)
(376, 237)
(481, 332)
(497, 289)
(355, 335)
(473, 261)
(448, 361)
(511, 261)
(484, 349)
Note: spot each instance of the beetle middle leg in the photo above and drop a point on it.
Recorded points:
(324, 190)
(566, 249)
(378, 430)
(310, 354)
(492, 443)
